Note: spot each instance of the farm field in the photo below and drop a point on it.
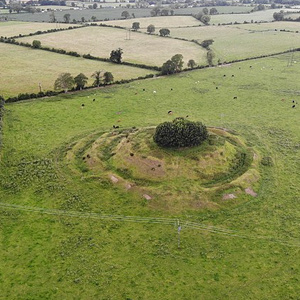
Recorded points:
(140, 48)
(10, 29)
(258, 16)
(25, 68)
(242, 41)
(115, 13)
(158, 22)
(63, 230)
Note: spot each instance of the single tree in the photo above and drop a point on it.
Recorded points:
(205, 19)
(67, 18)
(135, 26)
(108, 77)
(97, 76)
(150, 28)
(155, 11)
(116, 55)
(125, 14)
(213, 11)
(210, 57)
(164, 12)
(36, 44)
(64, 81)
(93, 18)
(278, 16)
(80, 81)
(177, 59)
(82, 19)
(168, 67)
(164, 32)
(95, 6)
(205, 10)
(52, 17)
(191, 64)
(206, 43)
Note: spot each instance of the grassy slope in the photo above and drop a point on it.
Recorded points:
(44, 256)
(141, 48)
(44, 67)
(14, 28)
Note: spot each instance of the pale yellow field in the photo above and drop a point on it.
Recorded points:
(25, 68)
(140, 48)
(240, 41)
(14, 28)
(158, 22)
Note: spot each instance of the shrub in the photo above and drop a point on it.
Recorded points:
(180, 133)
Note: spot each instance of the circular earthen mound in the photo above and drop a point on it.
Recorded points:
(185, 178)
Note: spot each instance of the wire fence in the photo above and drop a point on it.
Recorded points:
(175, 222)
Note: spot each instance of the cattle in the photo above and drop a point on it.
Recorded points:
(170, 112)
(82, 105)
(94, 100)
(235, 97)
(294, 106)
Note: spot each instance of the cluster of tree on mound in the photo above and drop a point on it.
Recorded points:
(180, 133)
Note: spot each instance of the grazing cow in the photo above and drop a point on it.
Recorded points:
(250, 66)
(216, 87)
(187, 116)
(224, 75)
(131, 154)
(114, 126)
(235, 97)
(88, 156)
(293, 101)
(82, 105)
(232, 75)
(171, 89)
(170, 112)
(294, 106)
(144, 90)
(94, 100)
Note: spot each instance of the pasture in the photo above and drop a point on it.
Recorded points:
(12, 28)
(258, 16)
(25, 68)
(244, 40)
(158, 22)
(137, 47)
(69, 236)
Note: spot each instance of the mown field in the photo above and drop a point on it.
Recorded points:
(140, 48)
(25, 68)
(244, 40)
(248, 248)
(10, 29)
(258, 16)
(158, 22)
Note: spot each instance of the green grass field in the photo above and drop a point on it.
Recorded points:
(258, 16)
(14, 28)
(244, 40)
(248, 248)
(140, 48)
(25, 68)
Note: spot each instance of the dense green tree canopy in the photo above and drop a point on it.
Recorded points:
(180, 133)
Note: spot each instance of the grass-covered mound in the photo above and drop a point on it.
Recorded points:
(174, 178)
